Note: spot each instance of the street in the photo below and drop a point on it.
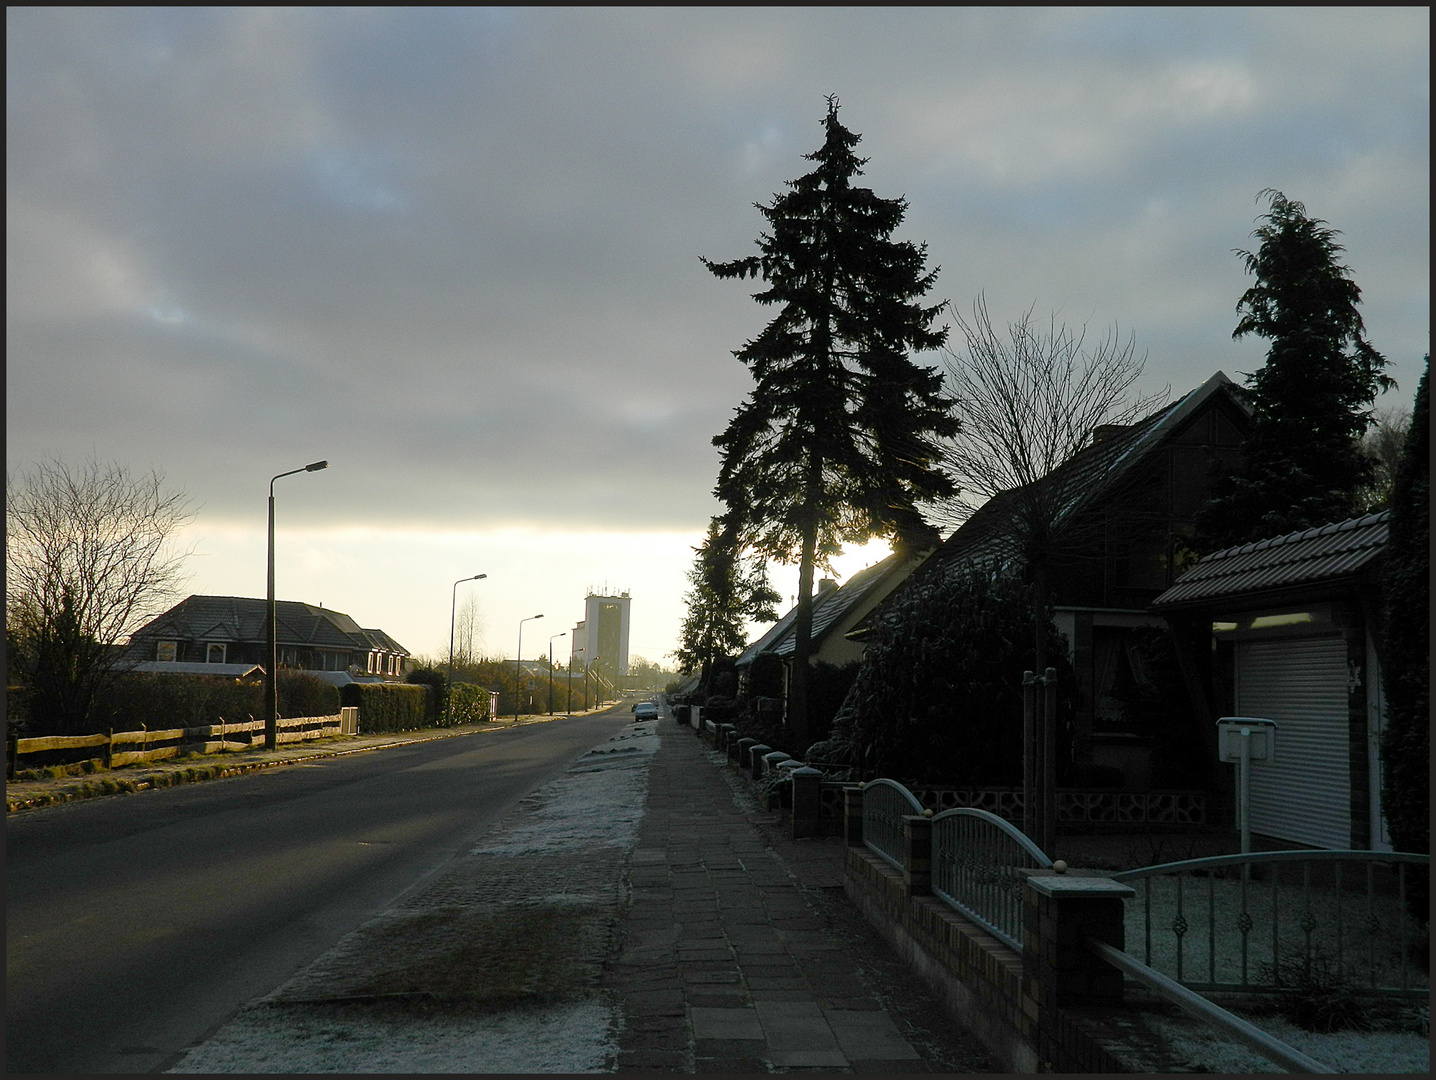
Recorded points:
(135, 925)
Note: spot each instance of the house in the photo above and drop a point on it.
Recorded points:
(217, 633)
(837, 609)
(1286, 629)
(1128, 505)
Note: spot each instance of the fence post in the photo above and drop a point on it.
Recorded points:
(807, 801)
(1058, 968)
(12, 751)
(755, 760)
(853, 815)
(917, 854)
(109, 748)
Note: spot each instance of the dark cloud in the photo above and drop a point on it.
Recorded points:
(459, 248)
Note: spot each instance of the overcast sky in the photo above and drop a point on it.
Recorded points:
(456, 251)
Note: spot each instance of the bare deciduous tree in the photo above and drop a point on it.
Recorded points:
(470, 632)
(89, 557)
(1028, 401)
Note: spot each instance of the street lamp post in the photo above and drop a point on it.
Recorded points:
(271, 677)
(453, 607)
(519, 663)
(570, 679)
(550, 669)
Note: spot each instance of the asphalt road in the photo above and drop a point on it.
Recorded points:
(136, 925)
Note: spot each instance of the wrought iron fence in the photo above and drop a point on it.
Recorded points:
(978, 864)
(1269, 920)
(885, 804)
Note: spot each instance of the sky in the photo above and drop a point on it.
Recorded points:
(455, 252)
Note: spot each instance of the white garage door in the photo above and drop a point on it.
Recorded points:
(1301, 684)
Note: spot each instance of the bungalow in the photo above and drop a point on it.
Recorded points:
(216, 633)
(837, 609)
(1129, 502)
(1286, 629)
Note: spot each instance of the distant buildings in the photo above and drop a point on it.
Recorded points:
(600, 641)
(209, 634)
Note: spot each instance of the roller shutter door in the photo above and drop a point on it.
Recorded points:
(1305, 796)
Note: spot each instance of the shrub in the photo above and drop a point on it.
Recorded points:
(387, 707)
(438, 699)
(938, 697)
(1316, 997)
(471, 704)
(303, 694)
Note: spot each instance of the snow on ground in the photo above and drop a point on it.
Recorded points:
(567, 1038)
(1371, 1053)
(598, 802)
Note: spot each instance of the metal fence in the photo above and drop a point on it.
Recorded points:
(885, 804)
(978, 864)
(1270, 921)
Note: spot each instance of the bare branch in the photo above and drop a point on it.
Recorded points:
(1028, 400)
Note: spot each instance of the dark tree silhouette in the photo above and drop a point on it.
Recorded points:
(1406, 742)
(1311, 399)
(726, 591)
(836, 441)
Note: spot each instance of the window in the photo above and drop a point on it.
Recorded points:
(214, 654)
(372, 659)
(167, 652)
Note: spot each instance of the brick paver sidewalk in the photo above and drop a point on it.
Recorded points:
(725, 964)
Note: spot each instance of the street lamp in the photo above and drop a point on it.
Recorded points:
(453, 606)
(271, 679)
(570, 680)
(519, 663)
(550, 670)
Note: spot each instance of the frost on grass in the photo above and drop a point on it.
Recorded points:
(571, 1037)
(1372, 1053)
(598, 802)
(493, 968)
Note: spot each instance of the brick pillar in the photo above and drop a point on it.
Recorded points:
(807, 801)
(853, 815)
(755, 759)
(917, 854)
(1058, 969)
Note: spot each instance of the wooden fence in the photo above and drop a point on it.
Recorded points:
(117, 748)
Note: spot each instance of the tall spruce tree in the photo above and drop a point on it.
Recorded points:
(726, 591)
(836, 443)
(1311, 400)
(1406, 663)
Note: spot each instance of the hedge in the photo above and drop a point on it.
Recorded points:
(387, 707)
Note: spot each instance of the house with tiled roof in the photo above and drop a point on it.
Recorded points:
(837, 609)
(1126, 504)
(1286, 629)
(217, 633)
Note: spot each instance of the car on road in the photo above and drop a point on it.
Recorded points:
(645, 710)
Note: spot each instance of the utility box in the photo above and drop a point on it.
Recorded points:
(1260, 738)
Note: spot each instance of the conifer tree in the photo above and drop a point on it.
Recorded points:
(1310, 401)
(836, 443)
(1406, 661)
(727, 591)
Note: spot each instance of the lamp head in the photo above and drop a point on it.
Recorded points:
(316, 466)
(478, 577)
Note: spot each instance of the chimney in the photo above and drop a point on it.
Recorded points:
(1103, 432)
(824, 584)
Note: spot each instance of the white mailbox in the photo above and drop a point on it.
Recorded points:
(1257, 733)
(1243, 740)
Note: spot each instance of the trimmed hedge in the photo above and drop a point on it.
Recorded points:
(385, 707)
(153, 700)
